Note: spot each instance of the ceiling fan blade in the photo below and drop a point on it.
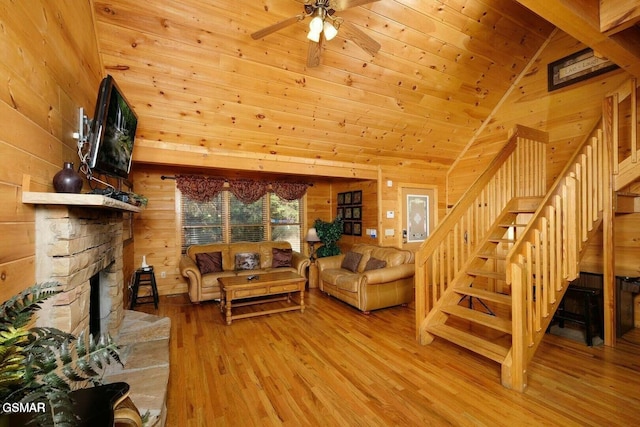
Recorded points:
(339, 5)
(356, 35)
(277, 26)
(313, 54)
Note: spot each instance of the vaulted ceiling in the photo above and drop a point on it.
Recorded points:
(203, 86)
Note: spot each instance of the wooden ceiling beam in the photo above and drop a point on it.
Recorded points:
(618, 15)
(150, 152)
(576, 18)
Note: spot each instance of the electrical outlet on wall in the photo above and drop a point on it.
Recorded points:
(163, 274)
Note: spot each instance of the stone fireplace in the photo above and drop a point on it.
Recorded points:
(80, 237)
(74, 244)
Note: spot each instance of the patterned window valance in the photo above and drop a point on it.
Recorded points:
(199, 188)
(204, 188)
(289, 190)
(247, 190)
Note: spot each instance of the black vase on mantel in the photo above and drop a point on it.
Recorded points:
(67, 180)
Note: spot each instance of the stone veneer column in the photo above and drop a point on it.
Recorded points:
(72, 245)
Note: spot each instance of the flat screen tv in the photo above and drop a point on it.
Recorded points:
(112, 132)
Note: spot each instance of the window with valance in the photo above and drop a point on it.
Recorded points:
(232, 210)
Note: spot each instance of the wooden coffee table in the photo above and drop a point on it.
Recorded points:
(263, 285)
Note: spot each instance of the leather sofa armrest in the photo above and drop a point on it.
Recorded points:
(326, 263)
(300, 262)
(189, 269)
(389, 274)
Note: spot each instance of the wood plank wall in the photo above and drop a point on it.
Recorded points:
(369, 210)
(156, 232)
(406, 174)
(568, 115)
(49, 67)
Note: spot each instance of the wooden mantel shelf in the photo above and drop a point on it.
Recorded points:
(82, 200)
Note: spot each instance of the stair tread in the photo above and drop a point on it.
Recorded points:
(474, 343)
(494, 322)
(508, 224)
(494, 240)
(489, 274)
(485, 295)
(491, 256)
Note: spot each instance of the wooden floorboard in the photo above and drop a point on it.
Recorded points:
(333, 366)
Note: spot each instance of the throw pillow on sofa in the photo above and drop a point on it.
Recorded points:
(247, 261)
(351, 261)
(375, 264)
(209, 262)
(281, 257)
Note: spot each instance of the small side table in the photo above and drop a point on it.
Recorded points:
(144, 277)
(313, 275)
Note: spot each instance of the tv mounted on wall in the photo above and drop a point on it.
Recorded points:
(112, 132)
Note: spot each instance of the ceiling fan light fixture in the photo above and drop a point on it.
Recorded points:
(316, 25)
(330, 31)
(314, 36)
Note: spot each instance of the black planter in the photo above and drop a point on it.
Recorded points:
(67, 180)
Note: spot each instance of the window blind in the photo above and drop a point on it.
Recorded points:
(227, 219)
(202, 222)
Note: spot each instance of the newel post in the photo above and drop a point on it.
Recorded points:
(514, 368)
(610, 140)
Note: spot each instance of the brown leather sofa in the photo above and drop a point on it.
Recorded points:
(203, 285)
(381, 277)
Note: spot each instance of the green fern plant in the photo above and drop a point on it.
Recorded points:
(40, 364)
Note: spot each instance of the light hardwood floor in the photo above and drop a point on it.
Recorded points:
(333, 366)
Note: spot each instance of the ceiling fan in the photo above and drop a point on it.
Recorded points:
(324, 26)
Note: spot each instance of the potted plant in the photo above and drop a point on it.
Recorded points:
(329, 233)
(40, 364)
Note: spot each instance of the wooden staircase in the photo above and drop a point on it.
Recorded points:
(490, 276)
(479, 295)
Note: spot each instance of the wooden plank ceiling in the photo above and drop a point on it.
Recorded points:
(200, 83)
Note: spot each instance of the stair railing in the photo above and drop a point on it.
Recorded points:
(547, 254)
(517, 171)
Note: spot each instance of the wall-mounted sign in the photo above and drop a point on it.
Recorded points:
(577, 67)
